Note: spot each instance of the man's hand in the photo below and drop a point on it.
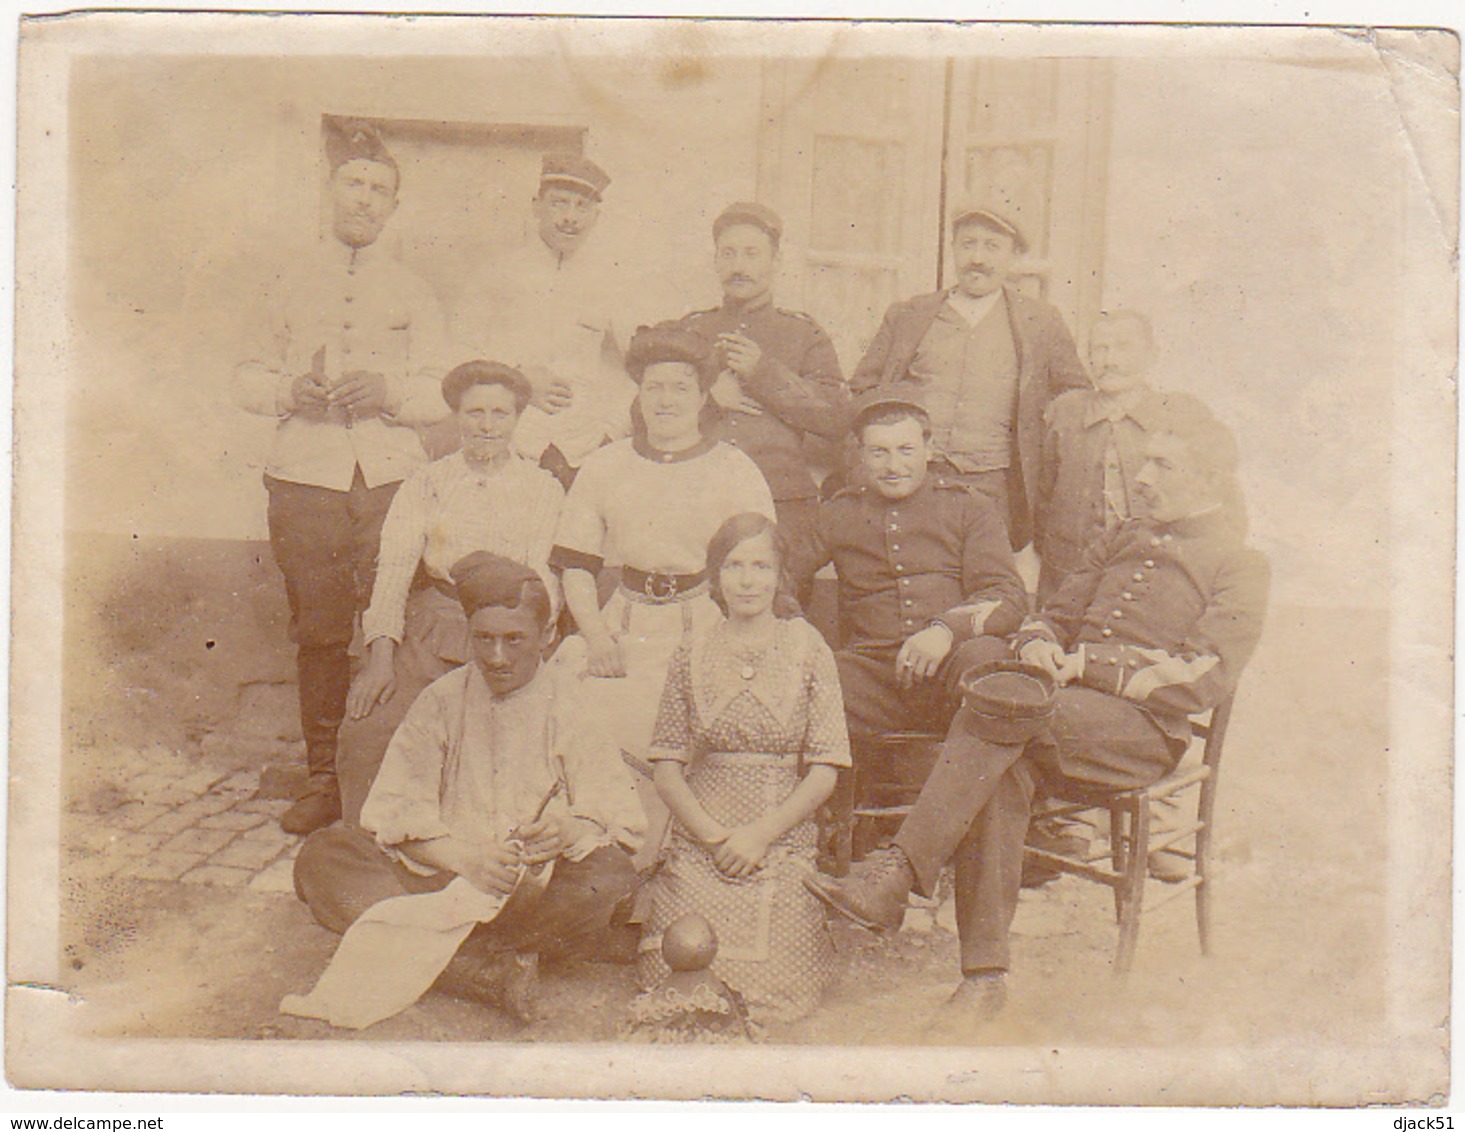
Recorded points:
(551, 394)
(604, 657)
(742, 353)
(361, 393)
(1050, 657)
(309, 395)
(922, 654)
(729, 395)
(549, 837)
(376, 684)
(742, 851)
(491, 866)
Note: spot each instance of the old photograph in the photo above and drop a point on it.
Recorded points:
(727, 558)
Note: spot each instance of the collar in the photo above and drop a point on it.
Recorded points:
(1138, 404)
(643, 449)
(345, 255)
(1211, 521)
(737, 307)
(538, 685)
(972, 311)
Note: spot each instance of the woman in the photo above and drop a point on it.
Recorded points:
(482, 497)
(648, 504)
(747, 744)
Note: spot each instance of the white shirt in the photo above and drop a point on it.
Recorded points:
(632, 506)
(450, 509)
(533, 308)
(357, 309)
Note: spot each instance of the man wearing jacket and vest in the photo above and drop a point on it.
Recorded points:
(987, 360)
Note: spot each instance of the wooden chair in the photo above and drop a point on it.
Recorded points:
(1124, 865)
(890, 772)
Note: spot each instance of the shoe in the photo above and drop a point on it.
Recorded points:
(505, 980)
(1051, 837)
(980, 997)
(874, 893)
(1168, 867)
(319, 808)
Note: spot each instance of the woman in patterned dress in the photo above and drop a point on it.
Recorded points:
(481, 497)
(648, 505)
(747, 744)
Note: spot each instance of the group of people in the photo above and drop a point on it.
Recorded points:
(585, 655)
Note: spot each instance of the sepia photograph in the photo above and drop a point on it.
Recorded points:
(672, 559)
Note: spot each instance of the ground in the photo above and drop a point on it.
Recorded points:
(179, 920)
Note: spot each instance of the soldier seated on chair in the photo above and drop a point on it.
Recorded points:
(927, 583)
(1156, 626)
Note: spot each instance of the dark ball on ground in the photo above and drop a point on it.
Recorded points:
(689, 943)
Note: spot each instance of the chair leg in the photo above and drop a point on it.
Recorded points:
(1120, 832)
(1203, 887)
(1131, 902)
(841, 815)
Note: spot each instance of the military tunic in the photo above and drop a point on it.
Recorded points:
(939, 555)
(797, 381)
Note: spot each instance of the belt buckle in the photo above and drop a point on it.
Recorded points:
(650, 587)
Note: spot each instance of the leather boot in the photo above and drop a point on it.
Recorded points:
(874, 894)
(318, 808)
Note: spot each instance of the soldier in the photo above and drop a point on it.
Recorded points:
(987, 360)
(779, 377)
(1155, 627)
(546, 309)
(927, 583)
(347, 355)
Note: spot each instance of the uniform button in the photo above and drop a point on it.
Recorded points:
(1149, 563)
(1118, 614)
(1139, 577)
(1106, 631)
(1133, 663)
(908, 601)
(898, 569)
(1166, 538)
(1128, 596)
(1113, 660)
(1154, 542)
(895, 546)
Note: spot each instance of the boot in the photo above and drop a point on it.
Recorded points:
(981, 996)
(874, 893)
(318, 808)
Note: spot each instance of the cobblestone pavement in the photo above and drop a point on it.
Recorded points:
(151, 814)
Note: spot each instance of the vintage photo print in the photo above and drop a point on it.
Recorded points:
(724, 558)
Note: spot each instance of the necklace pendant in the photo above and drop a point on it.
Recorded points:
(749, 672)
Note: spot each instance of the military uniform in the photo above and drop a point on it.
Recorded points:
(1166, 616)
(939, 555)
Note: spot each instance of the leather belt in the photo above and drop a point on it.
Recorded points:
(660, 587)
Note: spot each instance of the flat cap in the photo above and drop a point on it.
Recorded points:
(749, 212)
(668, 342)
(485, 579)
(971, 214)
(354, 139)
(575, 171)
(898, 394)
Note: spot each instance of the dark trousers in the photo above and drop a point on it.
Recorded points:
(341, 872)
(974, 806)
(325, 543)
(874, 701)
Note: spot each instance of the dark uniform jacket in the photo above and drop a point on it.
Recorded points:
(798, 382)
(940, 554)
(1167, 615)
(1047, 365)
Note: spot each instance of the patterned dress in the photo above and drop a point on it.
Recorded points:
(747, 726)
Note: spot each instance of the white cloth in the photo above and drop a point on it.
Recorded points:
(367, 312)
(533, 308)
(389, 957)
(451, 508)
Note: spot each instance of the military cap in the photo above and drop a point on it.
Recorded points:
(353, 139)
(748, 212)
(669, 342)
(1006, 701)
(899, 394)
(485, 579)
(575, 171)
(971, 214)
(466, 376)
